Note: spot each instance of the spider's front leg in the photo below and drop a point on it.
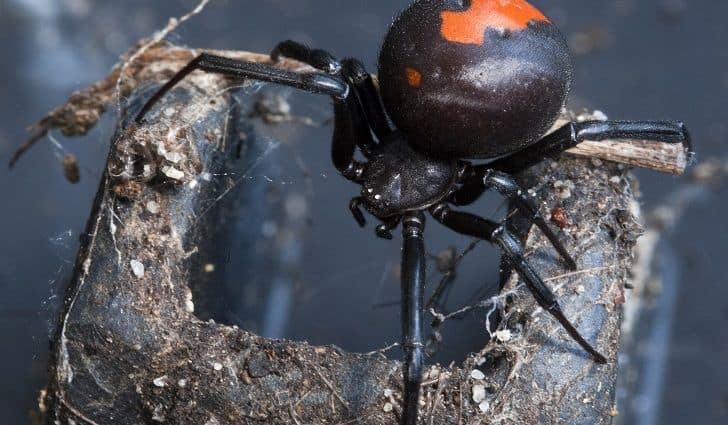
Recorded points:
(350, 126)
(317, 58)
(384, 229)
(496, 233)
(311, 82)
(413, 284)
(352, 69)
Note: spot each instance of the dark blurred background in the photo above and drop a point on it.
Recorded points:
(635, 59)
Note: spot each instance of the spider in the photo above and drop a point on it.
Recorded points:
(458, 79)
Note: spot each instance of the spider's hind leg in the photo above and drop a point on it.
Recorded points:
(496, 233)
(480, 179)
(573, 133)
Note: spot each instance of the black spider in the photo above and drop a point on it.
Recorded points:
(457, 79)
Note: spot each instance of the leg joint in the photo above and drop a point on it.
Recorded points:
(354, 171)
(413, 224)
(439, 211)
(354, 70)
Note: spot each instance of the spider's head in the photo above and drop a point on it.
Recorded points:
(473, 79)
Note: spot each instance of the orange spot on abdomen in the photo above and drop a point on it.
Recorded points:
(414, 78)
(469, 26)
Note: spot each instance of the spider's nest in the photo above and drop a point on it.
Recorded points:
(130, 350)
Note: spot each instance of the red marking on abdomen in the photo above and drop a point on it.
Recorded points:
(469, 26)
(414, 78)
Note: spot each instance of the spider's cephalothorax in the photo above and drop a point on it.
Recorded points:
(399, 178)
(458, 79)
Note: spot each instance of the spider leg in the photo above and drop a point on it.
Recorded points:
(496, 233)
(369, 98)
(355, 208)
(350, 128)
(511, 190)
(480, 179)
(317, 58)
(367, 102)
(352, 69)
(413, 283)
(350, 131)
(311, 82)
(384, 230)
(574, 133)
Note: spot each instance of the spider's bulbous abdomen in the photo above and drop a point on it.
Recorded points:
(398, 178)
(476, 81)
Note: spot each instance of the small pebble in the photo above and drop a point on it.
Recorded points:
(182, 383)
(477, 374)
(147, 171)
(504, 335)
(599, 115)
(153, 207)
(160, 382)
(137, 268)
(189, 304)
(173, 173)
(174, 157)
(478, 393)
(559, 217)
(615, 179)
(217, 366)
(388, 393)
(564, 188)
(388, 407)
(484, 406)
(157, 415)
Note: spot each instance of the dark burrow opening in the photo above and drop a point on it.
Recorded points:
(290, 262)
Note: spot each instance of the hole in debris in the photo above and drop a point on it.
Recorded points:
(295, 264)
